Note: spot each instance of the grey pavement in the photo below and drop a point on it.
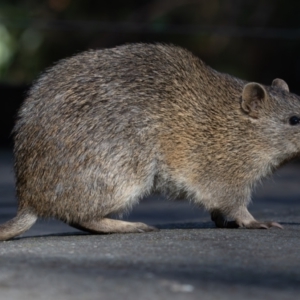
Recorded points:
(187, 259)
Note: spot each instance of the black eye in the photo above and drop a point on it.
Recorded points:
(294, 120)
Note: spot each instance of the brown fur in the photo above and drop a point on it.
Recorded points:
(104, 128)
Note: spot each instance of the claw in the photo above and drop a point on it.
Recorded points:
(275, 224)
(262, 226)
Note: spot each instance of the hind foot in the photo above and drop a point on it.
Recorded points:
(113, 226)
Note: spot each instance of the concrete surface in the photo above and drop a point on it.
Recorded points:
(187, 259)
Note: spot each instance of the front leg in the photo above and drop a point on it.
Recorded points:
(242, 218)
(221, 221)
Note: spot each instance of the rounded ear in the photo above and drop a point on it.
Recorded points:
(253, 97)
(280, 84)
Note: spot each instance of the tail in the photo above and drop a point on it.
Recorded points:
(19, 224)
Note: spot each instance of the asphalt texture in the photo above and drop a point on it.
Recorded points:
(187, 259)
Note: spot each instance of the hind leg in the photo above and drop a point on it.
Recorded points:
(106, 225)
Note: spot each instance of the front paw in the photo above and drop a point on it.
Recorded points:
(259, 225)
(242, 219)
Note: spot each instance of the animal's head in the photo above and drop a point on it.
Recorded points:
(275, 113)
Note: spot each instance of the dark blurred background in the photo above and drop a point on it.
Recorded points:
(254, 40)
